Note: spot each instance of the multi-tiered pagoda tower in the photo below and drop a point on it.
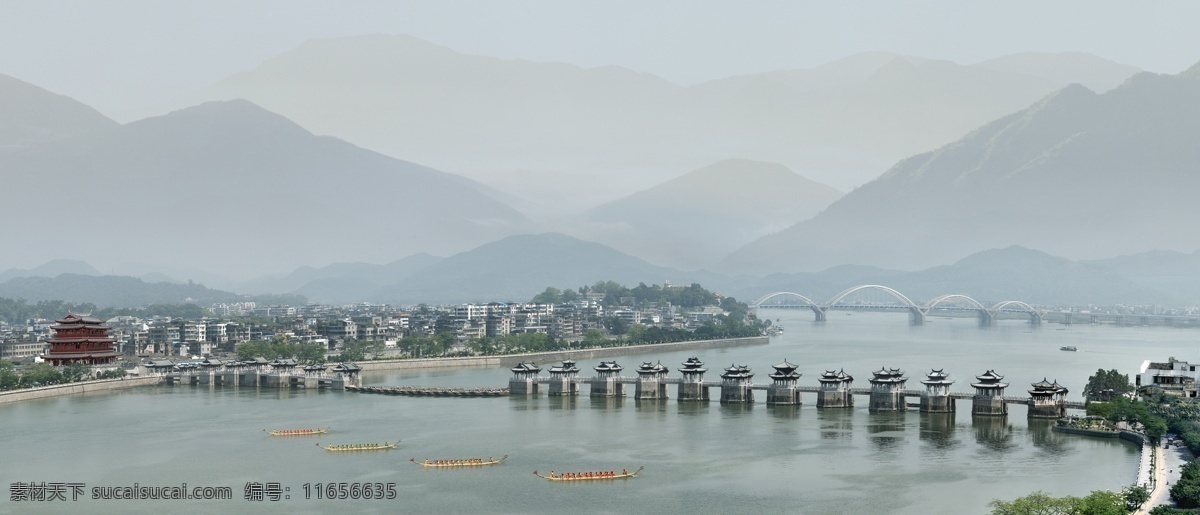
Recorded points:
(81, 339)
(525, 379)
(835, 390)
(936, 398)
(692, 388)
(735, 384)
(1047, 400)
(887, 390)
(562, 379)
(605, 383)
(989, 395)
(783, 388)
(651, 385)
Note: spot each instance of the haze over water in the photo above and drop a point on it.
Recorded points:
(698, 457)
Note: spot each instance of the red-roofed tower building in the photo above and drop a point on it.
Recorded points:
(80, 339)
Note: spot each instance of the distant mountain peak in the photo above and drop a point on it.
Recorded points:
(1192, 73)
(236, 111)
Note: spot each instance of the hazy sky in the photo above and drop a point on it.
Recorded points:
(127, 58)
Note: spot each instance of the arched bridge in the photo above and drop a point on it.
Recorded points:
(917, 312)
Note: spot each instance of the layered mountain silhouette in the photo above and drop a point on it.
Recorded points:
(51, 269)
(478, 116)
(30, 116)
(232, 188)
(1078, 174)
(519, 267)
(695, 219)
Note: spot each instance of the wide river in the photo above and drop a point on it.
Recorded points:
(704, 458)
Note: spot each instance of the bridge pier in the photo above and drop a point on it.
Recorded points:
(887, 390)
(650, 385)
(562, 379)
(524, 380)
(835, 390)
(916, 316)
(692, 388)
(783, 388)
(735, 385)
(820, 313)
(936, 398)
(605, 383)
(989, 395)
(986, 319)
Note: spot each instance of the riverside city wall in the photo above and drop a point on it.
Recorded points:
(74, 388)
(550, 357)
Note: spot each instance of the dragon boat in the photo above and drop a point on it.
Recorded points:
(468, 462)
(589, 476)
(296, 432)
(360, 447)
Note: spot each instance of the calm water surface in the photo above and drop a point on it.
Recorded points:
(704, 458)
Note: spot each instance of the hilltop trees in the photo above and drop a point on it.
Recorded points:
(1104, 385)
(641, 296)
(280, 348)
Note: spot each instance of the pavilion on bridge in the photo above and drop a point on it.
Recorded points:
(783, 388)
(989, 395)
(835, 390)
(936, 398)
(887, 390)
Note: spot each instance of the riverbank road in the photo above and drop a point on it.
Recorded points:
(1171, 459)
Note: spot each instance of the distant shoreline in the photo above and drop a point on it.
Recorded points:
(552, 356)
(56, 390)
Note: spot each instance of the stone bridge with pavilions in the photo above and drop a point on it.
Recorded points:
(917, 312)
(888, 391)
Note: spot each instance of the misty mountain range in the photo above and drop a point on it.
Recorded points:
(512, 122)
(232, 195)
(517, 268)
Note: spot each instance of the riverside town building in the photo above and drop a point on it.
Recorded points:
(80, 339)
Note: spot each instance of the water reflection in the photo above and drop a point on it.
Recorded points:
(735, 409)
(784, 411)
(938, 430)
(886, 429)
(524, 402)
(607, 403)
(692, 408)
(1041, 431)
(836, 424)
(651, 405)
(993, 433)
(563, 402)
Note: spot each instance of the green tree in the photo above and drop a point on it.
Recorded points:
(593, 338)
(443, 341)
(41, 374)
(75, 372)
(9, 378)
(1037, 503)
(1106, 385)
(550, 296)
(1166, 509)
(1135, 496)
(310, 353)
(616, 325)
(353, 350)
(1186, 491)
(1100, 502)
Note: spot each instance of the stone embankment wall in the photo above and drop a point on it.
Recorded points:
(551, 357)
(74, 388)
